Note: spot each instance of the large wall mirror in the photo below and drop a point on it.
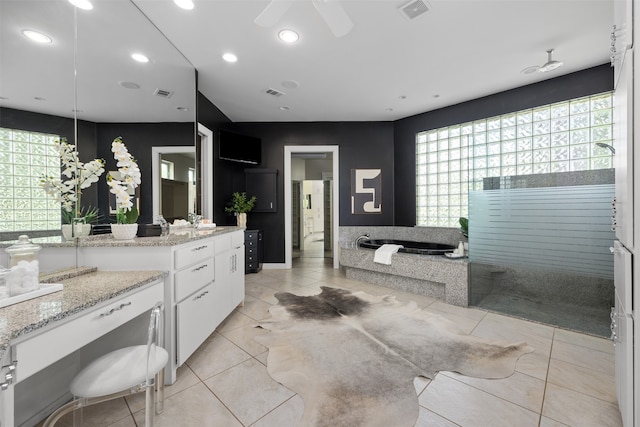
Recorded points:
(84, 86)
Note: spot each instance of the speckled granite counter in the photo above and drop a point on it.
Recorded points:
(430, 275)
(80, 293)
(176, 237)
(45, 242)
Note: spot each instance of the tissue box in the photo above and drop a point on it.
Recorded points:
(149, 230)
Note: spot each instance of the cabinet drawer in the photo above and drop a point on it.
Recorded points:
(237, 239)
(197, 317)
(223, 243)
(192, 278)
(193, 253)
(54, 343)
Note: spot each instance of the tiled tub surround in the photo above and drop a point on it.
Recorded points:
(49, 338)
(429, 275)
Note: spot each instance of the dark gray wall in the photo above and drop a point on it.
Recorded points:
(588, 82)
(63, 126)
(362, 145)
(389, 146)
(139, 138)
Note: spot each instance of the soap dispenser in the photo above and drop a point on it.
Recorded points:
(460, 250)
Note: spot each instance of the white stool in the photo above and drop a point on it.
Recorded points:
(121, 373)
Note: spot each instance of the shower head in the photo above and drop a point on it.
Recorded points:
(603, 145)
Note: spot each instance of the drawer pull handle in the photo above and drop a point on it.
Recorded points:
(199, 248)
(202, 294)
(120, 307)
(201, 267)
(8, 378)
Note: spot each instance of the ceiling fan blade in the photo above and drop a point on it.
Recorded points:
(334, 15)
(273, 12)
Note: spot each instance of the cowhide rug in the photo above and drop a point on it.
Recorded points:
(353, 357)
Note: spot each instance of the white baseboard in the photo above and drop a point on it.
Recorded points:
(274, 266)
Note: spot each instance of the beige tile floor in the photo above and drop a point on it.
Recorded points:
(567, 381)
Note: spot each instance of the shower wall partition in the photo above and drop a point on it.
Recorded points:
(543, 253)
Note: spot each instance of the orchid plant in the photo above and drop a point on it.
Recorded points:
(125, 184)
(79, 176)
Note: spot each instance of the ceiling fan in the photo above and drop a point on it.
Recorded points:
(551, 64)
(331, 11)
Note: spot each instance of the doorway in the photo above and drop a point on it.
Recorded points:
(311, 216)
(311, 202)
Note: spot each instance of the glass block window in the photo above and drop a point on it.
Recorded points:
(454, 160)
(24, 157)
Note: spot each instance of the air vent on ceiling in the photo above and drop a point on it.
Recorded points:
(413, 9)
(163, 93)
(274, 92)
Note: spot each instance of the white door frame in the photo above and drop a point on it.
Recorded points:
(288, 150)
(156, 155)
(206, 169)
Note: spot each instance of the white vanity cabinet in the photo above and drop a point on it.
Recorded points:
(57, 333)
(205, 282)
(207, 289)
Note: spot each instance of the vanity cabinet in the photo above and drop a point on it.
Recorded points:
(58, 333)
(217, 290)
(202, 288)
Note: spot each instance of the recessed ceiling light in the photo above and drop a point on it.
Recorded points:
(402, 97)
(530, 70)
(185, 4)
(82, 4)
(290, 84)
(288, 36)
(182, 108)
(229, 57)
(285, 108)
(77, 111)
(140, 57)
(37, 36)
(389, 109)
(436, 96)
(39, 98)
(130, 85)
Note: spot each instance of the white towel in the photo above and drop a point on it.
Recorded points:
(384, 252)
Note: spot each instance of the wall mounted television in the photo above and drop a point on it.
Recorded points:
(239, 148)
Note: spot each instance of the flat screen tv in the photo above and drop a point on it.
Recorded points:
(240, 148)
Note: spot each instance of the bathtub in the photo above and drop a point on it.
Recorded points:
(421, 248)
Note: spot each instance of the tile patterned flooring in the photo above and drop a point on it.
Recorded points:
(567, 381)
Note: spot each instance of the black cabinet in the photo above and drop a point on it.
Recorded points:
(253, 249)
(262, 183)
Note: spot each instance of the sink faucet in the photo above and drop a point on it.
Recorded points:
(362, 237)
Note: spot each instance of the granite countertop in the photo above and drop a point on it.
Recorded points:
(83, 288)
(178, 236)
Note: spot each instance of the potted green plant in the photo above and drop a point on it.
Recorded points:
(239, 206)
(464, 226)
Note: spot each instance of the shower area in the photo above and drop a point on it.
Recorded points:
(539, 248)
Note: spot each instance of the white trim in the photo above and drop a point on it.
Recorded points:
(274, 266)
(288, 150)
(156, 153)
(206, 162)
